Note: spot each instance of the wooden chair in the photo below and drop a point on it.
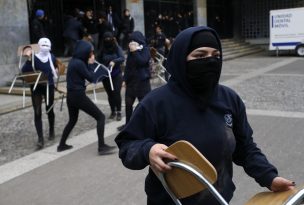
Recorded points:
(158, 68)
(193, 173)
(62, 90)
(33, 77)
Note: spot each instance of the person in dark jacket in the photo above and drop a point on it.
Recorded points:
(103, 27)
(73, 32)
(137, 72)
(45, 62)
(159, 40)
(78, 72)
(193, 106)
(113, 56)
(38, 25)
(126, 28)
(90, 24)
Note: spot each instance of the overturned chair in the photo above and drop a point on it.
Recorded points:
(193, 173)
(158, 68)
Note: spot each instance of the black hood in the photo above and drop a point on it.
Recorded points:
(176, 62)
(138, 37)
(83, 50)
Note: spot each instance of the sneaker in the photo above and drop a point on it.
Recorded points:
(51, 136)
(64, 147)
(120, 128)
(113, 115)
(40, 144)
(106, 149)
(118, 116)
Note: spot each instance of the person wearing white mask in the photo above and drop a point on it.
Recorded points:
(45, 62)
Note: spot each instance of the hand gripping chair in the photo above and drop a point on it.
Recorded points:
(193, 173)
(102, 72)
(33, 77)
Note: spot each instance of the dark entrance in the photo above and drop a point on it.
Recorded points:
(55, 10)
(169, 10)
(220, 17)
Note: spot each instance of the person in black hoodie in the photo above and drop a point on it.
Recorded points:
(193, 106)
(112, 55)
(137, 72)
(78, 72)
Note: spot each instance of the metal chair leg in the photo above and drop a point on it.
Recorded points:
(297, 199)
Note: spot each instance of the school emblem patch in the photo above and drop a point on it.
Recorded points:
(228, 120)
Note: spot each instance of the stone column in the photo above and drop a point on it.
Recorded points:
(136, 8)
(200, 12)
(14, 31)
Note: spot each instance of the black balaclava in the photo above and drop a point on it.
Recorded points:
(203, 73)
(108, 42)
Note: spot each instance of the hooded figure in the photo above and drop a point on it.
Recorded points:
(45, 62)
(113, 56)
(137, 72)
(194, 107)
(78, 73)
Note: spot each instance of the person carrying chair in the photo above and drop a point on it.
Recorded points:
(45, 62)
(193, 106)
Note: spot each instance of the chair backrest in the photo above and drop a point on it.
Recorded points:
(21, 53)
(181, 182)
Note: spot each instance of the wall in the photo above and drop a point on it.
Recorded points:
(200, 12)
(13, 32)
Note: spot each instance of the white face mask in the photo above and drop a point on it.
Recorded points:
(44, 45)
(44, 54)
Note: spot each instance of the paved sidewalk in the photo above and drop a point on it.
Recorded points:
(272, 89)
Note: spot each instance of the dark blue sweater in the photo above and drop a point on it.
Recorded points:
(220, 132)
(137, 71)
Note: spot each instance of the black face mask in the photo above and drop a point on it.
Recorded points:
(203, 74)
(108, 43)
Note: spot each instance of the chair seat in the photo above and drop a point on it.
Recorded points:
(272, 198)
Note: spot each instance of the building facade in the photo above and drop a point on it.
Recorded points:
(241, 19)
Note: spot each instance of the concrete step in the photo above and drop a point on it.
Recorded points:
(235, 48)
(241, 54)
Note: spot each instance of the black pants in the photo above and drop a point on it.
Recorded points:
(133, 92)
(114, 96)
(37, 96)
(77, 100)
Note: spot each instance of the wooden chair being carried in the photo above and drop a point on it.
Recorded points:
(34, 77)
(193, 173)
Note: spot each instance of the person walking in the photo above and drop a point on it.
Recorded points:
(45, 62)
(137, 72)
(78, 72)
(193, 106)
(112, 55)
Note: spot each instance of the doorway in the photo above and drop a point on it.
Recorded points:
(220, 17)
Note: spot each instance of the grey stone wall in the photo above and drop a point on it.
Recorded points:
(14, 31)
(136, 8)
